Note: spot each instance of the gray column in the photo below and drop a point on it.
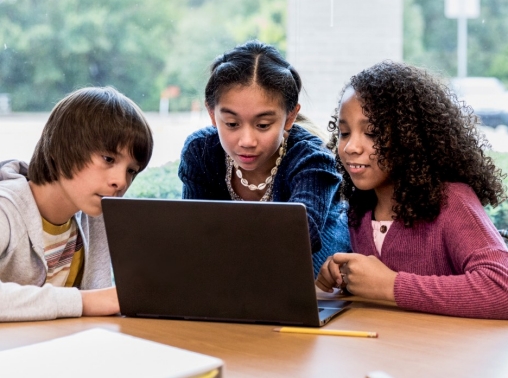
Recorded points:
(331, 40)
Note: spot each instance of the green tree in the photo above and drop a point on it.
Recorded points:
(413, 23)
(437, 35)
(499, 215)
(157, 182)
(487, 45)
(53, 47)
(210, 27)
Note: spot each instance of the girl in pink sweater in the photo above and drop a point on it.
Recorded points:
(416, 178)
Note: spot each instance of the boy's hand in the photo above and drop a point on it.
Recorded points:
(329, 276)
(100, 302)
(366, 276)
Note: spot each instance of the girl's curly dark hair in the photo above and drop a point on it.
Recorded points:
(425, 138)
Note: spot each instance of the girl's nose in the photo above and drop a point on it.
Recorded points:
(248, 138)
(353, 146)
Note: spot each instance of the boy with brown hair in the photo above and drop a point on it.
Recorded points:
(54, 258)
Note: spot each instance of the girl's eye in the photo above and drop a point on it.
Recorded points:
(263, 126)
(231, 124)
(108, 159)
(370, 132)
(343, 135)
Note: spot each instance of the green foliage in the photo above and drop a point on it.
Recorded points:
(413, 24)
(499, 215)
(498, 67)
(222, 24)
(263, 19)
(53, 47)
(430, 39)
(157, 182)
(501, 162)
(50, 48)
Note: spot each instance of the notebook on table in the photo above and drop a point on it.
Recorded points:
(214, 260)
(98, 352)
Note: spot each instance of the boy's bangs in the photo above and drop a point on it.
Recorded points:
(137, 138)
(89, 120)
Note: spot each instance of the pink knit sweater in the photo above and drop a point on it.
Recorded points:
(457, 265)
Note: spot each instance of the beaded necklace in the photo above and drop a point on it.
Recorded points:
(268, 184)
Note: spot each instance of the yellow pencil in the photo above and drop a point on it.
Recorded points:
(331, 332)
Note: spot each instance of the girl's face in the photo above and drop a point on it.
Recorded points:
(356, 146)
(251, 124)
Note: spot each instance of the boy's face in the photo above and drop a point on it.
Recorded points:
(108, 175)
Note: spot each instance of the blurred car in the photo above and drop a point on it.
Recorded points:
(486, 95)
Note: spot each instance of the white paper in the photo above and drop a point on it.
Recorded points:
(101, 353)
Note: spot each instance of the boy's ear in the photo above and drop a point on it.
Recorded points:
(291, 117)
(211, 113)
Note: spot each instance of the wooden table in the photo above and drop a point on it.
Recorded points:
(409, 344)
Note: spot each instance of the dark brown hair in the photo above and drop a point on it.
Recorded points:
(254, 63)
(87, 121)
(424, 138)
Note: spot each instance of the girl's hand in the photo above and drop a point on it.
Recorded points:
(366, 276)
(329, 276)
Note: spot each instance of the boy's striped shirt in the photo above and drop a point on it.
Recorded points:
(63, 251)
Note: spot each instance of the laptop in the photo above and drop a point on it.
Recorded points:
(231, 261)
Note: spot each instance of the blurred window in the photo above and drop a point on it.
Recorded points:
(157, 52)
